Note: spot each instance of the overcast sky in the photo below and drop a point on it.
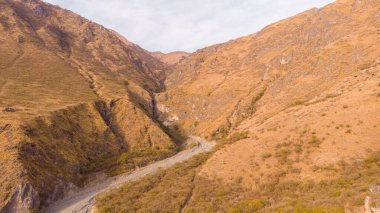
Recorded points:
(170, 25)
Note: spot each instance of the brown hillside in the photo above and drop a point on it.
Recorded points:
(294, 109)
(297, 58)
(72, 95)
(305, 89)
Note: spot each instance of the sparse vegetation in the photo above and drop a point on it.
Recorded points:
(132, 159)
(266, 156)
(155, 191)
(158, 191)
(331, 95)
(315, 141)
(364, 66)
(298, 148)
(56, 67)
(254, 101)
(282, 155)
(237, 136)
(222, 132)
(248, 206)
(298, 102)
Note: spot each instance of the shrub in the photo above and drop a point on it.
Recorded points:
(298, 102)
(255, 99)
(298, 148)
(373, 158)
(251, 205)
(266, 156)
(299, 207)
(314, 141)
(283, 155)
(237, 136)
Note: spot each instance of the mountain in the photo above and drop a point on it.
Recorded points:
(170, 58)
(294, 110)
(301, 96)
(74, 96)
(295, 75)
(297, 58)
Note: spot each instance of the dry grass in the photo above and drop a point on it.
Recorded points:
(168, 190)
(130, 160)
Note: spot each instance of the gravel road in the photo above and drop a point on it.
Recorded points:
(82, 200)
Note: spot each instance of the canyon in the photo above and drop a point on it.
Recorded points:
(296, 103)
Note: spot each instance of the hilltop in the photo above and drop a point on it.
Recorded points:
(170, 58)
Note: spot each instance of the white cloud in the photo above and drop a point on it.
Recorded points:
(169, 25)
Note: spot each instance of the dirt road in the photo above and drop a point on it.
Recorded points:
(82, 201)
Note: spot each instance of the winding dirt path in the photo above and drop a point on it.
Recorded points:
(82, 201)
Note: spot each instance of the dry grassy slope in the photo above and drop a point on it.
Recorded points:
(76, 92)
(170, 58)
(295, 59)
(306, 88)
(308, 140)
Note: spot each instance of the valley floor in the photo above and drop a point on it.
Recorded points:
(82, 200)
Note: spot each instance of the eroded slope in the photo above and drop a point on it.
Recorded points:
(73, 97)
(216, 88)
(302, 94)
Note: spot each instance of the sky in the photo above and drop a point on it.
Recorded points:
(185, 25)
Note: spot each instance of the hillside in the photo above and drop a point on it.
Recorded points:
(74, 97)
(295, 109)
(293, 59)
(314, 75)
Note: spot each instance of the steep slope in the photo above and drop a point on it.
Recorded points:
(170, 58)
(217, 87)
(306, 92)
(295, 110)
(300, 98)
(73, 95)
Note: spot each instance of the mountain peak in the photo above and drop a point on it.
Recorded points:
(170, 58)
